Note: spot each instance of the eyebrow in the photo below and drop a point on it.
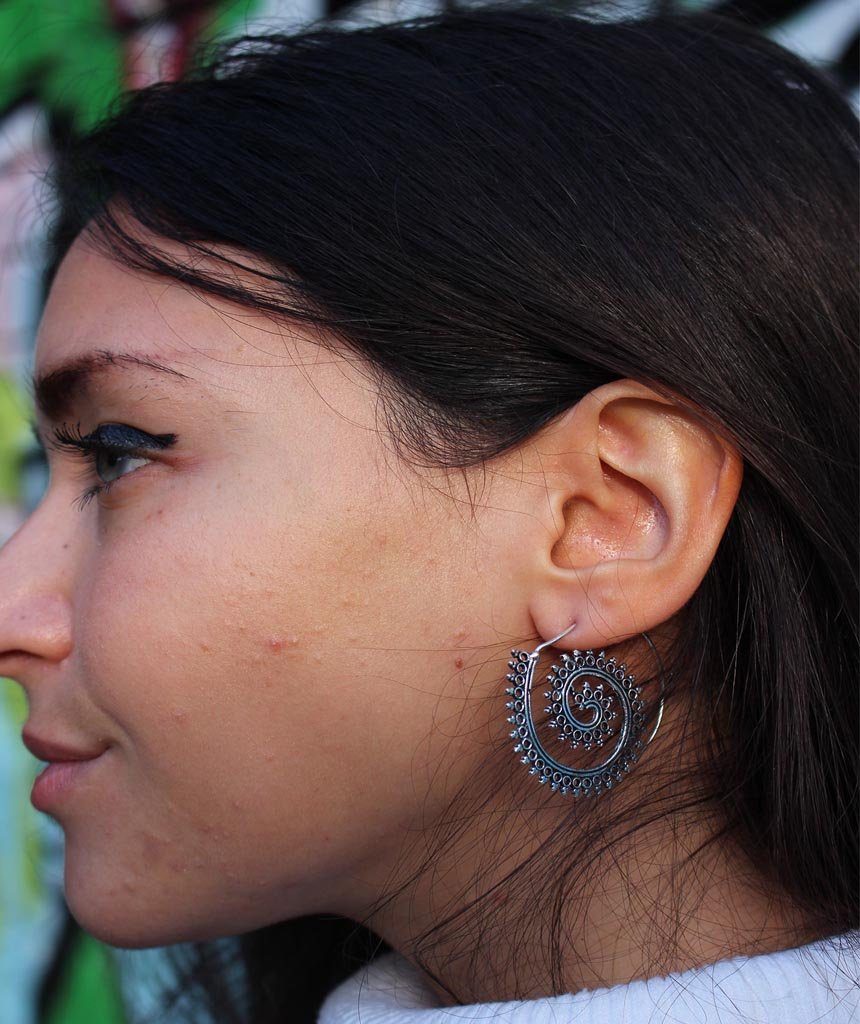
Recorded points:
(57, 390)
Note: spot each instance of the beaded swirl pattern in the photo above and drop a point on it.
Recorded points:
(585, 691)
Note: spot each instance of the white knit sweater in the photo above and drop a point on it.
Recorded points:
(814, 984)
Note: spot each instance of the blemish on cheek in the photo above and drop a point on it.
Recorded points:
(153, 848)
(180, 717)
(276, 643)
(458, 662)
(205, 648)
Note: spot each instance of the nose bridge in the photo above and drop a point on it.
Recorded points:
(35, 584)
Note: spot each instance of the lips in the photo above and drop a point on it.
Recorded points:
(50, 750)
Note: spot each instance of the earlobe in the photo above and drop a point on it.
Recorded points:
(639, 493)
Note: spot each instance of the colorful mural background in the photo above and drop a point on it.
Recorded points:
(62, 64)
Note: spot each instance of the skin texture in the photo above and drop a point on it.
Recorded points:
(292, 642)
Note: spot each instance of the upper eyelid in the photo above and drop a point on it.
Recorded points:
(62, 438)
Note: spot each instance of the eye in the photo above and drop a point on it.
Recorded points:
(109, 447)
(106, 459)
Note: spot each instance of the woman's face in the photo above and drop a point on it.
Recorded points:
(276, 628)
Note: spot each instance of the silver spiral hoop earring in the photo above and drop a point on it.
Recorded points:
(581, 715)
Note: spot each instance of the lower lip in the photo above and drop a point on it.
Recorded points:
(57, 780)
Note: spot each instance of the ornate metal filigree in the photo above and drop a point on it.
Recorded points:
(593, 702)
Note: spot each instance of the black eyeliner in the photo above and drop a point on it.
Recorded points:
(114, 436)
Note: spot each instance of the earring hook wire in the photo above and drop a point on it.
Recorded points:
(535, 654)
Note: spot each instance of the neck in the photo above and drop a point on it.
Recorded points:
(558, 897)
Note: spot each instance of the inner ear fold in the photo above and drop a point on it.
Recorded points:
(640, 493)
(631, 523)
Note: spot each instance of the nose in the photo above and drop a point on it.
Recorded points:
(35, 608)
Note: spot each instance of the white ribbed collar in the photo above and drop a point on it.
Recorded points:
(814, 984)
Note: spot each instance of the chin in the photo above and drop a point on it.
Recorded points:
(125, 932)
(128, 933)
(126, 922)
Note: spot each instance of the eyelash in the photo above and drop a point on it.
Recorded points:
(88, 447)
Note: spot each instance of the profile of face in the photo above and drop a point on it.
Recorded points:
(289, 642)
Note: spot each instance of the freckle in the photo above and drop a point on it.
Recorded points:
(160, 512)
(65, 546)
(153, 848)
(205, 648)
(458, 662)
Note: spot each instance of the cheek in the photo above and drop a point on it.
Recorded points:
(210, 657)
(264, 735)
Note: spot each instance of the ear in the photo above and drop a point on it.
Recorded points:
(638, 494)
